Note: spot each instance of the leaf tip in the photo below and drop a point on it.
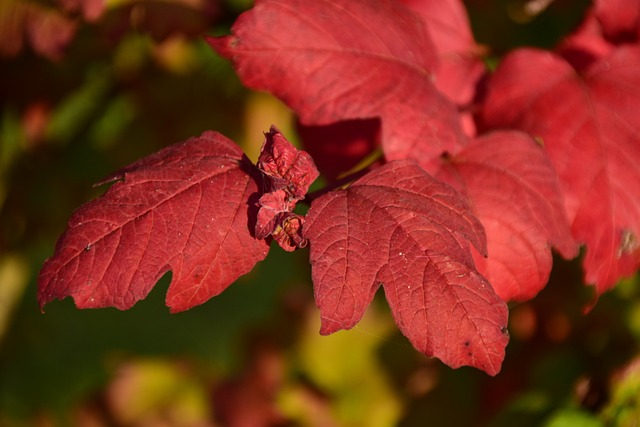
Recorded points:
(328, 326)
(222, 45)
(42, 301)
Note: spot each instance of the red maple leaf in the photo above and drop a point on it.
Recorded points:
(515, 194)
(399, 228)
(185, 209)
(332, 61)
(590, 127)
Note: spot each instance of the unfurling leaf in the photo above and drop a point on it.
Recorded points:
(286, 167)
(188, 208)
(399, 228)
(288, 173)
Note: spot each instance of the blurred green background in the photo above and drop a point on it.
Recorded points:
(89, 86)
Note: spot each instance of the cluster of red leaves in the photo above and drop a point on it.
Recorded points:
(473, 194)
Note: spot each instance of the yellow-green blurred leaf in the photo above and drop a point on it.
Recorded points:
(623, 409)
(345, 365)
(158, 392)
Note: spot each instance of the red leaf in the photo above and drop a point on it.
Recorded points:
(161, 19)
(461, 66)
(590, 127)
(400, 228)
(91, 9)
(332, 61)
(620, 19)
(515, 193)
(585, 45)
(184, 209)
(48, 30)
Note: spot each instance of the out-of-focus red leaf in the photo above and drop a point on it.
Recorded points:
(461, 66)
(91, 9)
(515, 193)
(585, 45)
(332, 61)
(620, 19)
(48, 31)
(186, 209)
(590, 126)
(162, 19)
(35, 120)
(399, 228)
(338, 147)
(250, 400)
(607, 24)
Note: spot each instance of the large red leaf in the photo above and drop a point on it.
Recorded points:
(515, 193)
(590, 126)
(400, 228)
(184, 209)
(358, 59)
